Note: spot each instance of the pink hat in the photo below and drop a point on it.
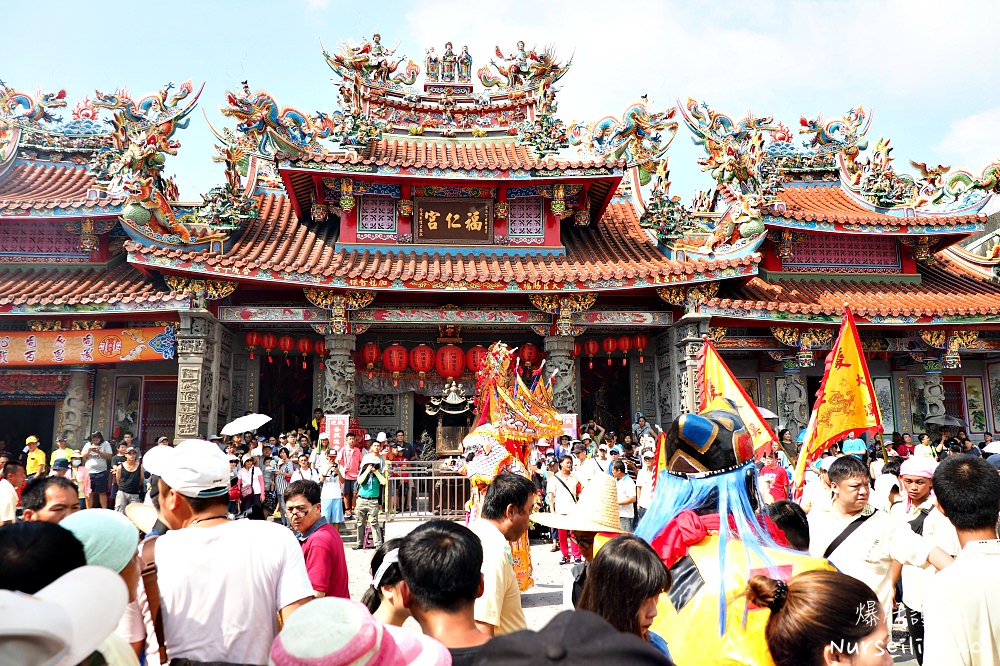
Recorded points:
(350, 636)
(418, 649)
(918, 466)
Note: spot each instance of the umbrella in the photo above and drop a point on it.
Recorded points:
(247, 423)
(945, 420)
(992, 447)
(766, 413)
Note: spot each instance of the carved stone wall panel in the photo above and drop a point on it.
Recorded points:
(664, 373)
(794, 402)
(189, 387)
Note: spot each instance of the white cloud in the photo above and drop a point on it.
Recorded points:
(966, 144)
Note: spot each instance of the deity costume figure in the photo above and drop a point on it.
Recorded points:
(432, 65)
(464, 66)
(449, 63)
(708, 523)
(518, 60)
(492, 458)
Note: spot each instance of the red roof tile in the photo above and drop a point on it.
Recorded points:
(454, 154)
(617, 249)
(44, 187)
(829, 203)
(946, 288)
(84, 286)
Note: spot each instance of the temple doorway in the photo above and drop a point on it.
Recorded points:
(286, 394)
(21, 420)
(604, 394)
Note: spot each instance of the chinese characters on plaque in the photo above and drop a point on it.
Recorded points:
(337, 426)
(458, 220)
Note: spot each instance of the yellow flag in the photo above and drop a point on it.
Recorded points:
(845, 401)
(716, 380)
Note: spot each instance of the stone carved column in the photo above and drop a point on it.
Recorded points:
(559, 349)
(338, 387)
(688, 336)
(76, 408)
(666, 400)
(795, 400)
(933, 389)
(197, 391)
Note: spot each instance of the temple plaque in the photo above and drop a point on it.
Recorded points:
(453, 220)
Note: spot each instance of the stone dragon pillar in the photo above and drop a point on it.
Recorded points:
(559, 349)
(338, 387)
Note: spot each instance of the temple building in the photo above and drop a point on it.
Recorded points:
(360, 260)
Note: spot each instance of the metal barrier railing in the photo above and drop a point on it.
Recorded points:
(425, 489)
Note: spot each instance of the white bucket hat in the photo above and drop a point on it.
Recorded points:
(65, 621)
(596, 510)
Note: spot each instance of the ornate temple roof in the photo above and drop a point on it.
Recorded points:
(279, 247)
(831, 208)
(43, 188)
(83, 290)
(482, 155)
(947, 291)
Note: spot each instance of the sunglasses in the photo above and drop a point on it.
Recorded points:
(586, 539)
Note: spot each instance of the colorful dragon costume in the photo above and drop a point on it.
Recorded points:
(706, 523)
(510, 417)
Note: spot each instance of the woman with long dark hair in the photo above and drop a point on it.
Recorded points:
(623, 586)
(820, 618)
(382, 597)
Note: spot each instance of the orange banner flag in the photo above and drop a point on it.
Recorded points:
(845, 401)
(716, 380)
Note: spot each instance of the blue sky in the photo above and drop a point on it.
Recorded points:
(929, 69)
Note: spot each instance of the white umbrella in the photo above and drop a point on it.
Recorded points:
(247, 423)
(992, 447)
(766, 413)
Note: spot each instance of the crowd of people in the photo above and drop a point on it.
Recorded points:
(908, 538)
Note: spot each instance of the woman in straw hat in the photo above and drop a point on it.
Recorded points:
(595, 512)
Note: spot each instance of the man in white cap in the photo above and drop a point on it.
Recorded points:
(222, 584)
(925, 518)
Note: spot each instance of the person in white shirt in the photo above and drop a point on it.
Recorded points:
(917, 474)
(580, 468)
(591, 467)
(644, 484)
(962, 602)
(863, 542)
(306, 472)
(626, 496)
(223, 584)
(563, 491)
(332, 492)
(13, 477)
(817, 494)
(505, 517)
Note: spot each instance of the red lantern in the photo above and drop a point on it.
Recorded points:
(267, 341)
(370, 353)
(610, 345)
(625, 343)
(395, 358)
(640, 341)
(577, 350)
(252, 338)
(449, 361)
(304, 346)
(422, 361)
(286, 344)
(591, 347)
(320, 348)
(474, 358)
(529, 354)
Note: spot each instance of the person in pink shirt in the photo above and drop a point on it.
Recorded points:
(349, 459)
(774, 478)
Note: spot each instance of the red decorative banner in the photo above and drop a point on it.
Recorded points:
(115, 345)
(337, 426)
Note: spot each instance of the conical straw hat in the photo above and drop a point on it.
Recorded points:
(596, 511)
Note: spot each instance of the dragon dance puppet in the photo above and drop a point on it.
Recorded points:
(510, 417)
(707, 522)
